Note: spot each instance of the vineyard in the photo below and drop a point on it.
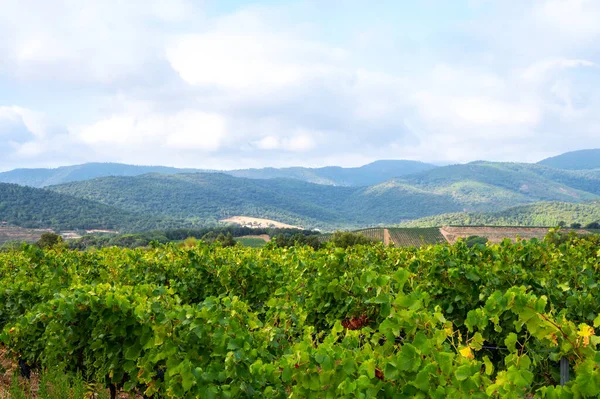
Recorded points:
(369, 321)
(416, 237)
(375, 234)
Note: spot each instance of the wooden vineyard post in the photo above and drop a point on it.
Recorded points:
(564, 371)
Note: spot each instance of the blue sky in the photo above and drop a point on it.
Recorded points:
(235, 84)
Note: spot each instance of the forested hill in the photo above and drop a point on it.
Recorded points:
(37, 208)
(575, 160)
(366, 175)
(209, 197)
(487, 186)
(476, 187)
(543, 214)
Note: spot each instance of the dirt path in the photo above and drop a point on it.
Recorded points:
(387, 239)
(445, 234)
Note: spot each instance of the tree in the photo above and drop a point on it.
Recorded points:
(562, 224)
(575, 225)
(476, 240)
(49, 240)
(225, 240)
(593, 226)
(344, 239)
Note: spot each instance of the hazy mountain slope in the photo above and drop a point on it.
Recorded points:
(545, 214)
(366, 175)
(575, 160)
(373, 173)
(32, 207)
(66, 174)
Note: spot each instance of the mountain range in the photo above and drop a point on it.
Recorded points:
(366, 175)
(130, 198)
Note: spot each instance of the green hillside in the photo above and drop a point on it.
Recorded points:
(575, 160)
(36, 208)
(546, 214)
(208, 197)
(484, 186)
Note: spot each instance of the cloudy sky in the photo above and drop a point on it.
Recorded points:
(233, 83)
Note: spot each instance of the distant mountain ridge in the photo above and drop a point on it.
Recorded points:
(42, 177)
(575, 160)
(134, 199)
(366, 175)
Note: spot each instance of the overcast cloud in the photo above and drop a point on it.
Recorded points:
(232, 84)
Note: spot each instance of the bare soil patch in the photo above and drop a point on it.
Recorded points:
(14, 233)
(387, 239)
(246, 221)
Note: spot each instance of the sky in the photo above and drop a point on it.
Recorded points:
(227, 84)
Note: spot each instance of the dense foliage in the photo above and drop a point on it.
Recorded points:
(367, 321)
(544, 214)
(143, 239)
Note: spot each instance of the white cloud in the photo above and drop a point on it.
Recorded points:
(539, 71)
(256, 62)
(268, 143)
(99, 41)
(302, 141)
(186, 130)
(35, 122)
(575, 18)
(274, 85)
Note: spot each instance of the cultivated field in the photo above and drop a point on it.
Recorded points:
(416, 237)
(362, 322)
(375, 234)
(257, 241)
(13, 233)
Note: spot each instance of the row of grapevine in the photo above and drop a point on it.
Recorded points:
(370, 321)
(416, 237)
(375, 234)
